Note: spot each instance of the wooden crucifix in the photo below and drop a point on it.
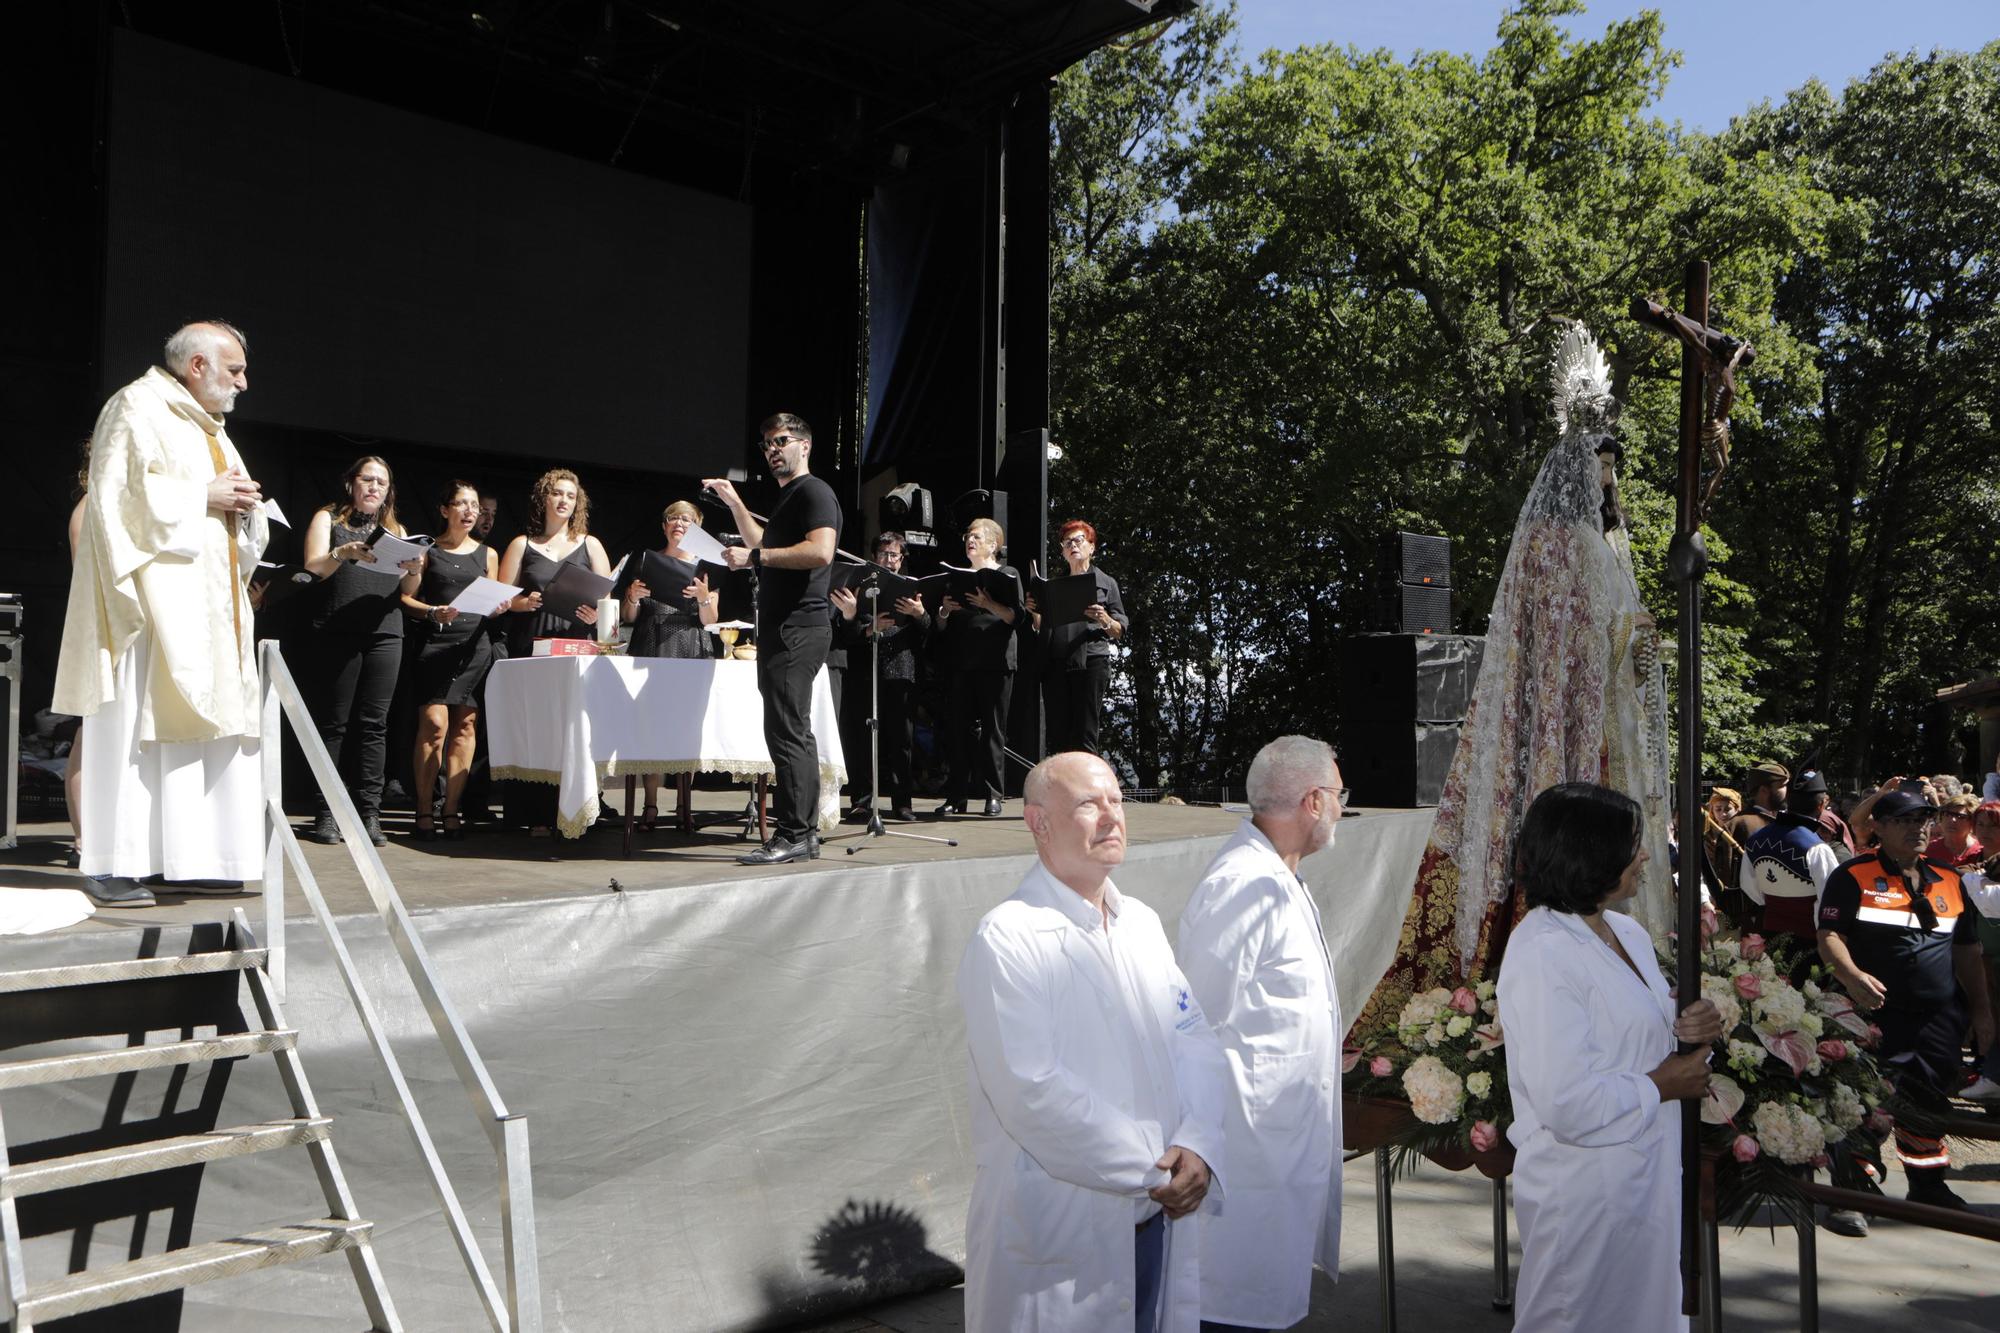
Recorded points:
(1709, 359)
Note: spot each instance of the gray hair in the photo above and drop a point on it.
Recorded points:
(1285, 770)
(201, 338)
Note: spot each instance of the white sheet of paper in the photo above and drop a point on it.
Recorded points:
(698, 546)
(390, 552)
(275, 514)
(619, 568)
(484, 597)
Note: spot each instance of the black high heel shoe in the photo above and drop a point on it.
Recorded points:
(453, 830)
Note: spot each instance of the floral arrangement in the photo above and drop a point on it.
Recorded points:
(1794, 1085)
(1441, 1054)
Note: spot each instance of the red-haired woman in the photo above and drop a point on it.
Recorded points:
(1076, 658)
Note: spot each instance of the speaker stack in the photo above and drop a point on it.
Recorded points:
(1404, 692)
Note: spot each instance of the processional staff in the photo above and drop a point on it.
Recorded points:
(1709, 360)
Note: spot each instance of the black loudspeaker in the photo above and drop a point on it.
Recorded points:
(1414, 608)
(1397, 765)
(1409, 677)
(1414, 557)
(978, 504)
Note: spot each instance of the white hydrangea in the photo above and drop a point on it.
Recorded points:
(1718, 992)
(1436, 1094)
(1458, 1025)
(1747, 1057)
(1812, 1025)
(1780, 1009)
(1789, 1133)
(1422, 1021)
(1479, 1084)
(1845, 1108)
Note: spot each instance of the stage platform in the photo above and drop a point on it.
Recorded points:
(745, 1088)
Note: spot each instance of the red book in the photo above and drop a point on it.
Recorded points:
(567, 648)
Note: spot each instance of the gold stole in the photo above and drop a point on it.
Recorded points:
(229, 522)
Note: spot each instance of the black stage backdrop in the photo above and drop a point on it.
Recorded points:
(409, 279)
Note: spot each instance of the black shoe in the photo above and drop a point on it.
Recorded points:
(117, 891)
(205, 887)
(373, 826)
(778, 850)
(324, 830)
(1847, 1222)
(951, 808)
(992, 806)
(73, 858)
(860, 814)
(1937, 1194)
(902, 814)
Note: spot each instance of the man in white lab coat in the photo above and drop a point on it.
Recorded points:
(1253, 951)
(1095, 1085)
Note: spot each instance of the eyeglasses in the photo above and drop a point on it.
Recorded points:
(780, 441)
(1339, 793)
(1076, 539)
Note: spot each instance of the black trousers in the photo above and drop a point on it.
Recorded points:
(897, 740)
(978, 733)
(1075, 703)
(788, 658)
(357, 684)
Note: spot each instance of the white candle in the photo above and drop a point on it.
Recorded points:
(607, 620)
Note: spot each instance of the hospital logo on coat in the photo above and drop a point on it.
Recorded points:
(1182, 1003)
(1190, 1011)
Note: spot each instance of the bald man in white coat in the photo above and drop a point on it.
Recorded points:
(1255, 954)
(1095, 1087)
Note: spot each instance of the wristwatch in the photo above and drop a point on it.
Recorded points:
(757, 557)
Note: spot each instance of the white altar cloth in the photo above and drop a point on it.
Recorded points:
(577, 721)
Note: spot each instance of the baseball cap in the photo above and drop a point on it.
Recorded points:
(1896, 804)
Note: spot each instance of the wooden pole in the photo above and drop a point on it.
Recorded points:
(1687, 561)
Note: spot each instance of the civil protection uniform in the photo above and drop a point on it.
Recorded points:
(158, 649)
(1905, 941)
(1089, 1058)
(1253, 949)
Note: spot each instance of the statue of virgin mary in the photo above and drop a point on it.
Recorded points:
(1569, 691)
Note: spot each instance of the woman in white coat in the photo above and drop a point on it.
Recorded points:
(1595, 1080)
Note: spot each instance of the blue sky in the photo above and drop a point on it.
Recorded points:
(1736, 52)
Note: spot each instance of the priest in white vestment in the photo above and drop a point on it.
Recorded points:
(1253, 949)
(1095, 1088)
(158, 650)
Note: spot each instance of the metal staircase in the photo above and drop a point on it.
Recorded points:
(117, 1170)
(186, 994)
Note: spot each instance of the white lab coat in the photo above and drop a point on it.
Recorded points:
(1063, 1069)
(1597, 1176)
(1252, 948)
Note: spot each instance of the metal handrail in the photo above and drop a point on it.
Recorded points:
(521, 1311)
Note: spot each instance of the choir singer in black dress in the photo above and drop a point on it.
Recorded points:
(558, 534)
(902, 627)
(453, 655)
(793, 553)
(1076, 657)
(979, 657)
(357, 642)
(662, 626)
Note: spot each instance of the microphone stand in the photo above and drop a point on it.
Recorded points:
(873, 588)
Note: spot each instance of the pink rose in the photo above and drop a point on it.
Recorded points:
(1710, 922)
(1484, 1136)
(1830, 1049)
(1880, 1122)
(1875, 1037)
(1464, 1001)
(1753, 948)
(1380, 1067)
(1748, 986)
(1745, 1148)
(1822, 1161)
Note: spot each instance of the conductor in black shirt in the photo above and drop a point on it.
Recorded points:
(792, 552)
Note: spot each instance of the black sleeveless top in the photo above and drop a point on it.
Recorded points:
(445, 577)
(353, 602)
(537, 572)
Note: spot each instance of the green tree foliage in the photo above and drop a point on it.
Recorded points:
(1308, 303)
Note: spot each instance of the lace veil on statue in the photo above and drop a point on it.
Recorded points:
(1569, 691)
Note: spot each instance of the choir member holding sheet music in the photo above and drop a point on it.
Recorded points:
(903, 627)
(358, 636)
(453, 657)
(668, 604)
(976, 616)
(558, 534)
(1080, 616)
